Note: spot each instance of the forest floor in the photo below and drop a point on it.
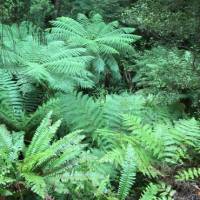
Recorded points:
(188, 191)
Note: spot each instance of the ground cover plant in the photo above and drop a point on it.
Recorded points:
(99, 100)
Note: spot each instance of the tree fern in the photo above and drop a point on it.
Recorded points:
(37, 67)
(102, 41)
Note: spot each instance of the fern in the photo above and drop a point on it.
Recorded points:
(81, 112)
(165, 192)
(47, 162)
(10, 95)
(43, 158)
(38, 67)
(157, 145)
(150, 192)
(36, 183)
(102, 41)
(128, 174)
(188, 131)
(159, 191)
(188, 174)
(162, 71)
(137, 105)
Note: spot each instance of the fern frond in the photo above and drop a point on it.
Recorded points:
(150, 192)
(159, 191)
(166, 192)
(10, 94)
(188, 174)
(36, 183)
(101, 40)
(188, 131)
(44, 134)
(5, 139)
(128, 174)
(81, 112)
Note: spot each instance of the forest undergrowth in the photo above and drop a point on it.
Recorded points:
(99, 100)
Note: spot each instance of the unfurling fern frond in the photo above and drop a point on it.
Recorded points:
(128, 174)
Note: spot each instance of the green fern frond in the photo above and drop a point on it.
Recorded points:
(5, 139)
(128, 174)
(188, 131)
(44, 134)
(34, 119)
(10, 94)
(36, 183)
(166, 192)
(4, 181)
(188, 174)
(159, 191)
(101, 40)
(115, 157)
(81, 112)
(150, 192)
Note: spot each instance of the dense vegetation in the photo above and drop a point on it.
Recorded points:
(99, 99)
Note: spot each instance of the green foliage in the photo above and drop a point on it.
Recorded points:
(39, 10)
(188, 174)
(159, 191)
(28, 66)
(81, 112)
(158, 145)
(33, 10)
(10, 10)
(105, 42)
(138, 105)
(128, 174)
(99, 6)
(124, 102)
(44, 160)
(171, 21)
(170, 74)
(150, 192)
